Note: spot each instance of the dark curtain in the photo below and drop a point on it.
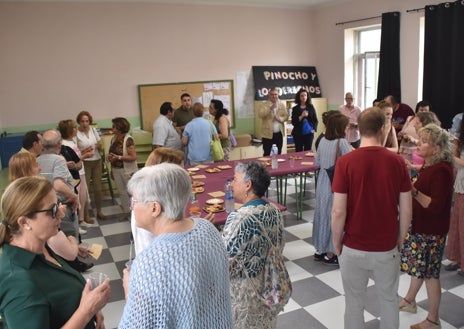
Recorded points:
(389, 67)
(443, 83)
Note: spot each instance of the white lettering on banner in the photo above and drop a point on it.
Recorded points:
(289, 90)
(287, 75)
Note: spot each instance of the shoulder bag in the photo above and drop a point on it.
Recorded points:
(331, 170)
(277, 288)
(216, 147)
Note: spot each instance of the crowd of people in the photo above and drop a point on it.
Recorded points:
(188, 272)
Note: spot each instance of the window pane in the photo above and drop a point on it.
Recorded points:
(369, 40)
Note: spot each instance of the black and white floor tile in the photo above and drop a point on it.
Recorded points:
(317, 301)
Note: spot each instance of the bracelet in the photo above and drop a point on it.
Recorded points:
(119, 158)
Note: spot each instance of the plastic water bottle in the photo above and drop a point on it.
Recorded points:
(274, 152)
(229, 196)
(194, 207)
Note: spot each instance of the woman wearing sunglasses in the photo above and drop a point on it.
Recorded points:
(39, 289)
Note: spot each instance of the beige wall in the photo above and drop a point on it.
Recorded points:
(59, 58)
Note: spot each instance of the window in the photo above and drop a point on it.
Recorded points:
(363, 64)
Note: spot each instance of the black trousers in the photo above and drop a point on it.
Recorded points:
(303, 142)
(277, 139)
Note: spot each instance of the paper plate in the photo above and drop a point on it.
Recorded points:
(193, 169)
(213, 170)
(197, 183)
(214, 201)
(214, 208)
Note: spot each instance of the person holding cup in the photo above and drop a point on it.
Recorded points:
(185, 250)
(38, 289)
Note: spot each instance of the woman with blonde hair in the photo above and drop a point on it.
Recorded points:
(39, 289)
(25, 164)
(425, 242)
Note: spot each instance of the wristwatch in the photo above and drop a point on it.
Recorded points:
(119, 158)
(415, 194)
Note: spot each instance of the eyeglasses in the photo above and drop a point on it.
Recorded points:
(53, 210)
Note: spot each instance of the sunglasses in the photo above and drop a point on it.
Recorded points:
(52, 211)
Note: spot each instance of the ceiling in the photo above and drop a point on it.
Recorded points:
(292, 4)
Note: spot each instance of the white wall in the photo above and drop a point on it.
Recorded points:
(330, 43)
(59, 58)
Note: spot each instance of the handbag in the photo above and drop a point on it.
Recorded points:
(233, 141)
(216, 147)
(331, 170)
(277, 285)
(306, 127)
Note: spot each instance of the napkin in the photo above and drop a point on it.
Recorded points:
(95, 250)
(217, 194)
(307, 163)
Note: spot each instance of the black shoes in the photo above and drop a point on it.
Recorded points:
(331, 261)
(452, 267)
(319, 257)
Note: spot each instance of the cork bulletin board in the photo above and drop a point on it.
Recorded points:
(151, 96)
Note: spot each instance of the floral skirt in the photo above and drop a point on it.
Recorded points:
(422, 255)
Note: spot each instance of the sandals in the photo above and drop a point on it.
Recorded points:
(436, 325)
(410, 307)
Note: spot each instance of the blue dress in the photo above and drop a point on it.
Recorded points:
(325, 156)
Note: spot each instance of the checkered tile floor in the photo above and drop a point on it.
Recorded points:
(317, 301)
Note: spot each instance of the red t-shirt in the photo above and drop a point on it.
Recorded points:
(373, 178)
(437, 182)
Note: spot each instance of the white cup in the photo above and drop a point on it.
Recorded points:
(97, 279)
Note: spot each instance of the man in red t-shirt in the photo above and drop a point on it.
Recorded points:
(371, 188)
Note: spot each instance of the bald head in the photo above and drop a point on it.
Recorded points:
(51, 139)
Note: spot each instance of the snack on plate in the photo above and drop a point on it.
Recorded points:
(295, 157)
(197, 183)
(310, 154)
(199, 189)
(214, 201)
(214, 208)
(213, 170)
(193, 169)
(224, 167)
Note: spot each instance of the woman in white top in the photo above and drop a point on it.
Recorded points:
(88, 140)
(68, 130)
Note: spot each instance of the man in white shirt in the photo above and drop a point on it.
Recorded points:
(164, 133)
(352, 112)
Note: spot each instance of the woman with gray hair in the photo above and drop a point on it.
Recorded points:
(181, 279)
(249, 233)
(424, 244)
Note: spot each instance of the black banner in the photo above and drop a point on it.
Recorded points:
(287, 79)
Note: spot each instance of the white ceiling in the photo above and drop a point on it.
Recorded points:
(294, 4)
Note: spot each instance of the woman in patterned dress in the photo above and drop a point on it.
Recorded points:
(247, 245)
(325, 156)
(424, 245)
